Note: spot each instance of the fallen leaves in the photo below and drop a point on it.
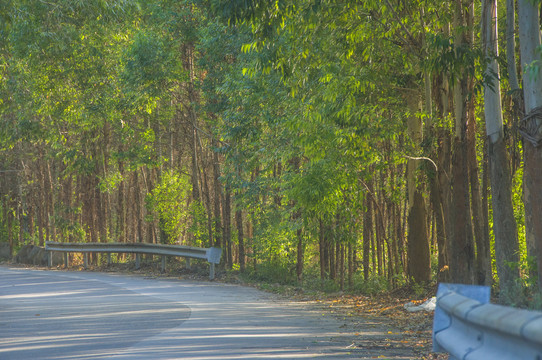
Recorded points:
(407, 330)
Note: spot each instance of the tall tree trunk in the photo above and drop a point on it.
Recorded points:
(217, 197)
(517, 108)
(531, 125)
(51, 233)
(300, 256)
(191, 100)
(341, 266)
(419, 256)
(504, 223)
(379, 243)
(461, 243)
(322, 246)
(227, 229)
(207, 197)
(326, 252)
(511, 46)
(121, 214)
(483, 255)
(331, 257)
(367, 232)
(351, 267)
(240, 238)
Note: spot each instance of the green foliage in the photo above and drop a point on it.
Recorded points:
(304, 102)
(67, 228)
(198, 225)
(4, 223)
(149, 65)
(373, 285)
(166, 204)
(273, 271)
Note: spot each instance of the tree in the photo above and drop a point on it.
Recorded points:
(504, 223)
(530, 126)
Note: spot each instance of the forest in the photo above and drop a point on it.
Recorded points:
(348, 144)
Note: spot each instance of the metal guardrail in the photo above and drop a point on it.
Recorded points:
(212, 255)
(468, 327)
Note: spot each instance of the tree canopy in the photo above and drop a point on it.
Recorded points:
(312, 140)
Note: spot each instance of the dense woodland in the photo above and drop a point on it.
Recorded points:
(350, 142)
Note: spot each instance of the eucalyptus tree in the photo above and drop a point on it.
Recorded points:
(60, 57)
(333, 58)
(504, 223)
(530, 126)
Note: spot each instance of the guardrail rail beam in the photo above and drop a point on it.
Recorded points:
(212, 255)
(468, 327)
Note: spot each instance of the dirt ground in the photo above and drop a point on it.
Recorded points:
(387, 310)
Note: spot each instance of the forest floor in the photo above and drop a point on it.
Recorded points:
(387, 310)
(408, 330)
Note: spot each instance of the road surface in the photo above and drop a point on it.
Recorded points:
(86, 315)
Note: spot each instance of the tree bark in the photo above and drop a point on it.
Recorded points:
(504, 222)
(419, 256)
(529, 35)
(483, 256)
(217, 196)
(367, 232)
(227, 229)
(461, 242)
(240, 238)
(300, 256)
(322, 247)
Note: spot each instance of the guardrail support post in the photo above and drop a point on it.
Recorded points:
(85, 260)
(49, 258)
(138, 261)
(108, 258)
(211, 271)
(163, 263)
(66, 260)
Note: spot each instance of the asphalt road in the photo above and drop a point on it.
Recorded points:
(86, 315)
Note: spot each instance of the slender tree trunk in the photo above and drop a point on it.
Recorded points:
(138, 208)
(511, 46)
(331, 257)
(483, 256)
(341, 266)
(321, 238)
(121, 214)
(367, 231)
(379, 246)
(9, 217)
(240, 238)
(51, 228)
(207, 197)
(351, 264)
(227, 229)
(397, 235)
(531, 125)
(419, 256)
(300, 256)
(327, 252)
(504, 223)
(461, 245)
(217, 196)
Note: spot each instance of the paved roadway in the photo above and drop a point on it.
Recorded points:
(84, 315)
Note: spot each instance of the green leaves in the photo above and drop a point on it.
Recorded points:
(149, 66)
(167, 203)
